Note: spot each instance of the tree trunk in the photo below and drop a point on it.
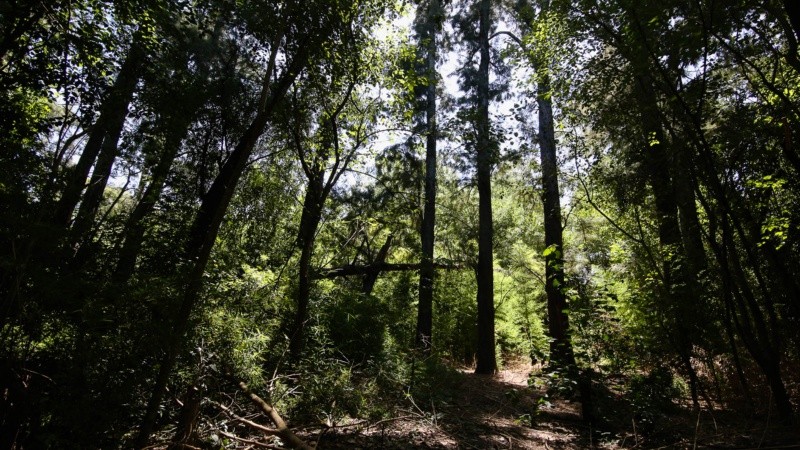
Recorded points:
(681, 305)
(135, 227)
(113, 111)
(93, 197)
(187, 418)
(309, 223)
(762, 345)
(426, 273)
(486, 362)
(371, 277)
(792, 8)
(561, 353)
(205, 228)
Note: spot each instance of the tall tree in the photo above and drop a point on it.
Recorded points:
(561, 352)
(325, 155)
(299, 43)
(486, 362)
(431, 22)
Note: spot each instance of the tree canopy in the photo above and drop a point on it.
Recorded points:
(326, 212)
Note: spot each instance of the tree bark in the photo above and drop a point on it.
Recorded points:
(486, 360)
(93, 196)
(371, 276)
(426, 273)
(282, 429)
(561, 352)
(205, 228)
(175, 131)
(792, 8)
(309, 223)
(112, 112)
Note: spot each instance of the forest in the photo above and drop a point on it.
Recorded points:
(354, 224)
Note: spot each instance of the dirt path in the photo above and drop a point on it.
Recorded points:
(502, 412)
(486, 412)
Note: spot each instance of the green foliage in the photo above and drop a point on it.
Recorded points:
(356, 325)
(455, 315)
(677, 150)
(653, 394)
(431, 383)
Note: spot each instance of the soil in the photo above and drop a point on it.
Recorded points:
(502, 412)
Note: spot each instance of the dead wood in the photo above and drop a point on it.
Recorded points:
(282, 429)
(353, 269)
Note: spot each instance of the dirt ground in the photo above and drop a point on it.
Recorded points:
(503, 412)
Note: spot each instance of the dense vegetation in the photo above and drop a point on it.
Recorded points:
(328, 203)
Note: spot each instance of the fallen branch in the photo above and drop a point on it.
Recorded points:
(282, 429)
(354, 270)
(249, 423)
(248, 441)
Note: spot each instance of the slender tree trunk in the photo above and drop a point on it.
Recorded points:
(113, 111)
(371, 277)
(309, 223)
(205, 229)
(561, 353)
(486, 360)
(762, 344)
(93, 197)
(689, 223)
(135, 227)
(681, 301)
(426, 273)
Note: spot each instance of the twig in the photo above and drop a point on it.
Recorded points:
(249, 441)
(391, 419)
(696, 428)
(250, 423)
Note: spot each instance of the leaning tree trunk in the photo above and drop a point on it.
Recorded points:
(486, 362)
(204, 232)
(426, 272)
(112, 112)
(135, 226)
(369, 279)
(80, 234)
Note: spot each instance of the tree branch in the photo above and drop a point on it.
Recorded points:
(282, 429)
(354, 270)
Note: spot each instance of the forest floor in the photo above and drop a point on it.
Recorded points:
(503, 412)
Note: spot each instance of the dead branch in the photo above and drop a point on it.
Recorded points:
(352, 269)
(249, 423)
(282, 429)
(248, 441)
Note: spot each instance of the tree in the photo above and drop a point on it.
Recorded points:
(561, 353)
(432, 16)
(484, 271)
(301, 42)
(325, 151)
